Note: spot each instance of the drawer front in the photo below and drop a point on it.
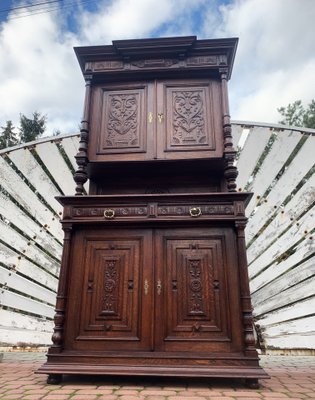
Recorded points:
(156, 210)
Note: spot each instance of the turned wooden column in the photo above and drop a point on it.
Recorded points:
(230, 171)
(80, 176)
(59, 318)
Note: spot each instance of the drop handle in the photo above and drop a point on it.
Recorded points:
(159, 287)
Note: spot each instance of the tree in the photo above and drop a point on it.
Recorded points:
(31, 129)
(7, 136)
(297, 115)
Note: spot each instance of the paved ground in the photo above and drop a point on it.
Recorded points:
(291, 378)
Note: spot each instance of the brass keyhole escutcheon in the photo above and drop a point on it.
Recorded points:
(150, 117)
(109, 213)
(160, 117)
(159, 287)
(195, 212)
(146, 287)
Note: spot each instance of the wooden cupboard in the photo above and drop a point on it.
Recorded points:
(153, 278)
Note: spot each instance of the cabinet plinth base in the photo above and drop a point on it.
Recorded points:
(250, 373)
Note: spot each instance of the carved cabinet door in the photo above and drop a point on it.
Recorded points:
(110, 299)
(197, 299)
(189, 119)
(121, 122)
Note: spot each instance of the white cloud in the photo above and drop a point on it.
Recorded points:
(275, 62)
(276, 55)
(39, 71)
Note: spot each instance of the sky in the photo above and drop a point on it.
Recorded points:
(274, 64)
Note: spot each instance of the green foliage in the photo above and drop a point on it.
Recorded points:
(296, 114)
(8, 137)
(31, 129)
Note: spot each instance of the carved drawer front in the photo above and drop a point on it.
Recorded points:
(111, 275)
(199, 299)
(158, 210)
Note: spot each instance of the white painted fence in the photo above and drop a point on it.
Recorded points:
(275, 162)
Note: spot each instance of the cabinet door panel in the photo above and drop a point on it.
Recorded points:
(110, 271)
(120, 127)
(189, 119)
(199, 302)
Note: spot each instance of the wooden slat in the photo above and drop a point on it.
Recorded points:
(71, 145)
(300, 165)
(289, 286)
(252, 150)
(297, 341)
(10, 279)
(17, 188)
(11, 259)
(280, 151)
(23, 303)
(28, 322)
(307, 325)
(289, 215)
(18, 242)
(284, 243)
(12, 213)
(26, 163)
(13, 336)
(302, 290)
(301, 309)
(50, 155)
(236, 134)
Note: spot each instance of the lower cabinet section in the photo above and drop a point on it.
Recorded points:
(153, 301)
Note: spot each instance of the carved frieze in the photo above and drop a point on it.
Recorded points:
(155, 63)
(155, 210)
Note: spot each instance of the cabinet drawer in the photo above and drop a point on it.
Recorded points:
(155, 210)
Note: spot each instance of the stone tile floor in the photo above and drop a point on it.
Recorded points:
(292, 377)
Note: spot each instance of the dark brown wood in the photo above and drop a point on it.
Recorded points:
(154, 273)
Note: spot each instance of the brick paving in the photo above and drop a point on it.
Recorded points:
(292, 377)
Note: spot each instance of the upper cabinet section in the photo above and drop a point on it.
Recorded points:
(171, 119)
(156, 99)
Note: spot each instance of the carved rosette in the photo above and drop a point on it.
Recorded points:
(122, 125)
(188, 118)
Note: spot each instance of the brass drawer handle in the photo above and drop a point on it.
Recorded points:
(195, 212)
(109, 213)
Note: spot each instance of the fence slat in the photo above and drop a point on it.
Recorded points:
(14, 300)
(14, 281)
(280, 151)
(252, 150)
(17, 188)
(71, 145)
(300, 165)
(26, 163)
(11, 259)
(50, 155)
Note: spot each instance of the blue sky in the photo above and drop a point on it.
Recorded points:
(275, 62)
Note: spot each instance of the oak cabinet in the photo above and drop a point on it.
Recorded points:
(153, 279)
(164, 120)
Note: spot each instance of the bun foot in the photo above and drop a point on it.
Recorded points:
(54, 379)
(252, 383)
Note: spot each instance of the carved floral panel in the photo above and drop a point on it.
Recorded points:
(188, 118)
(121, 120)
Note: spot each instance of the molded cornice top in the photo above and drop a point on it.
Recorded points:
(159, 54)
